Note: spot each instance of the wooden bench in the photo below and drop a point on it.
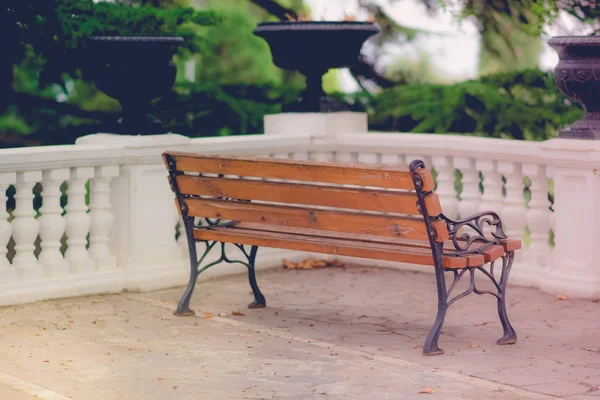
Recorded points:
(374, 212)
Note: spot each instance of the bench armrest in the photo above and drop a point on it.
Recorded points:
(465, 232)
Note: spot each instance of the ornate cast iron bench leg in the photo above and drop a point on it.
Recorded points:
(431, 343)
(259, 299)
(183, 308)
(445, 301)
(196, 267)
(510, 336)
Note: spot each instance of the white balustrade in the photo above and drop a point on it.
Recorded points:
(322, 156)
(131, 214)
(471, 196)
(393, 160)
(7, 273)
(445, 185)
(52, 223)
(78, 221)
(538, 221)
(492, 198)
(345, 157)
(26, 227)
(514, 210)
(101, 217)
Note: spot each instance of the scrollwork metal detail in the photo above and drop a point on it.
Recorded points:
(473, 231)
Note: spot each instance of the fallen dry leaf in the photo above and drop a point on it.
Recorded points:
(427, 390)
(474, 346)
(562, 297)
(311, 264)
(160, 379)
(237, 313)
(223, 314)
(207, 315)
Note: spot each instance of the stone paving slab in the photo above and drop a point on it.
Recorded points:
(353, 333)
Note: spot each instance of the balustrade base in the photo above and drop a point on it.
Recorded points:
(575, 284)
(30, 271)
(26, 291)
(105, 263)
(524, 275)
(58, 269)
(81, 266)
(148, 278)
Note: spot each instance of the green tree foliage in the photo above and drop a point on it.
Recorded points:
(523, 105)
(55, 30)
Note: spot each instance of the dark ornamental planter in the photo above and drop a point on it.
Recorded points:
(134, 70)
(313, 48)
(578, 77)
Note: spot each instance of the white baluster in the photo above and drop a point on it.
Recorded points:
(101, 217)
(492, 198)
(514, 214)
(345, 157)
(470, 196)
(514, 211)
(52, 223)
(7, 273)
(26, 227)
(445, 185)
(538, 221)
(367, 158)
(78, 221)
(300, 156)
(393, 160)
(321, 156)
(281, 155)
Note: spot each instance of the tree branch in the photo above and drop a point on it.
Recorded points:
(363, 69)
(276, 9)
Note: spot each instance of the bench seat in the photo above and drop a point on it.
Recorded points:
(351, 245)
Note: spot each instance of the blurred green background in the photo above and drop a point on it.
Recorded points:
(227, 82)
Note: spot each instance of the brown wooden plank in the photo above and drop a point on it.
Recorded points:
(433, 205)
(327, 246)
(489, 254)
(348, 174)
(300, 217)
(329, 196)
(493, 252)
(511, 244)
(442, 230)
(427, 178)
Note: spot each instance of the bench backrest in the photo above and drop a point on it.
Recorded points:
(368, 200)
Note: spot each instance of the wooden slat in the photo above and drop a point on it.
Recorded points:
(511, 244)
(327, 246)
(489, 254)
(493, 252)
(433, 205)
(299, 217)
(360, 175)
(329, 196)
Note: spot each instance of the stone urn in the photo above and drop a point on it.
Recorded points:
(133, 70)
(578, 77)
(313, 48)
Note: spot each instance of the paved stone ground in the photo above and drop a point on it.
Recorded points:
(343, 333)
